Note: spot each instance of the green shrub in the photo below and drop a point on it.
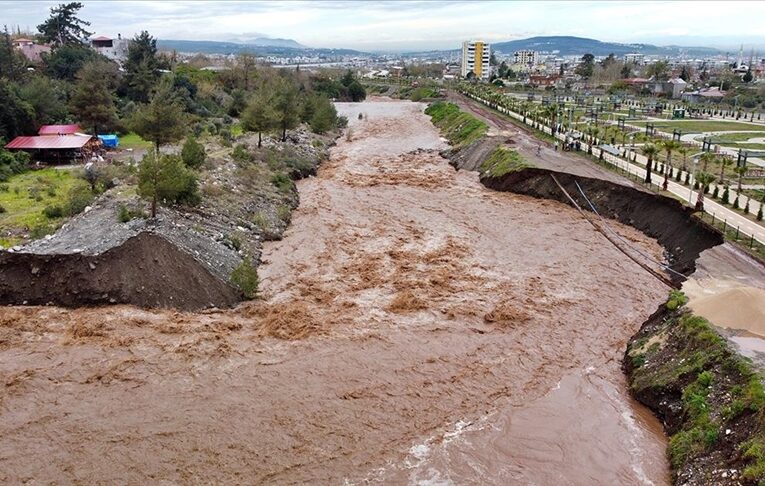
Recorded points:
(125, 214)
(241, 154)
(193, 153)
(235, 241)
(284, 213)
(261, 221)
(676, 300)
(77, 199)
(282, 181)
(52, 212)
(2, 209)
(245, 277)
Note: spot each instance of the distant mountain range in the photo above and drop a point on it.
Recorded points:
(563, 45)
(259, 47)
(568, 45)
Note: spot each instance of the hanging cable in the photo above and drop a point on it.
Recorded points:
(650, 270)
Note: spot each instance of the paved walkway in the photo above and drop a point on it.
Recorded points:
(733, 219)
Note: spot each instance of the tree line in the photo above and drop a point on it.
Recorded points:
(155, 95)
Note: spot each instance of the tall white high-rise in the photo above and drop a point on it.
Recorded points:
(475, 59)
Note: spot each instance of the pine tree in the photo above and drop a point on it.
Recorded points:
(93, 98)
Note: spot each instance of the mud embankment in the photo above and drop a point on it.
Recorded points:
(146, 270)
(660, 217)
(708, 397)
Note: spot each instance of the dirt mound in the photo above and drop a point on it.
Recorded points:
(146, 270)
(663, 218)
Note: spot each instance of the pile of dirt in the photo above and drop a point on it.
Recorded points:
(666, 219)
(146, 270)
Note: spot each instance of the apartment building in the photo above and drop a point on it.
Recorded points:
(634, 58)
(528, 58)
(475, 59)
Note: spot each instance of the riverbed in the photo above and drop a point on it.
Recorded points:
(414, 327)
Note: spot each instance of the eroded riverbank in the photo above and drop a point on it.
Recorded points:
(451, 333)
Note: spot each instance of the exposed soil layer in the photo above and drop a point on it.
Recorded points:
(146, 270)
(708, 398)
(660, 217)
(414, 327)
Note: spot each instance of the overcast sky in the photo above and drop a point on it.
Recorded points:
(414, 25)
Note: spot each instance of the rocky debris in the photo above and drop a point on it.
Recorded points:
(243, 204)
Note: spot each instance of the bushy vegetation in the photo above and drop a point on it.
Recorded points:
(245, 277)
(503, 161)
(460, 128)
(37, 201)
(719, 390)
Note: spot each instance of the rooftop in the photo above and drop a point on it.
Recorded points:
(59, 129)
(47, 142)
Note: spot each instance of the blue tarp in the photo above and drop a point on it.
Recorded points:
(110, 141)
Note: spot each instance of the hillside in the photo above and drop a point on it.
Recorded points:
(568, 45)
(260, 46)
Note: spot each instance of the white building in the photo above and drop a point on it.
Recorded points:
(529, 58)
(634, 58)
(475, 59)
(114, 49)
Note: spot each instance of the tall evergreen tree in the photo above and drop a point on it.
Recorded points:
(259, 116)
(162, 120)
(286, 106)
(141, 67)
(93, 98)
(63, 27)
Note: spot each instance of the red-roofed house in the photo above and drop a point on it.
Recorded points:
(56, 148)
(29, 49)
(59, 130)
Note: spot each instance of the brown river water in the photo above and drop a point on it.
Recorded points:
(415, 328)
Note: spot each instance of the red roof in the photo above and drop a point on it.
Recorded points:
(22, 40)
(59, 129)
(48, 142)
(101, 38)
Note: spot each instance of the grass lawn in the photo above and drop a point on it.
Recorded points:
(734, 137)
(133, 141)
(24, 196)
(698, 126)
(744, 145)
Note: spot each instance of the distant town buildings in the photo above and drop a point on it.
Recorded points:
(114, 49)
(475, 59)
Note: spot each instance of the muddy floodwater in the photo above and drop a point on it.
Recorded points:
(414, 327)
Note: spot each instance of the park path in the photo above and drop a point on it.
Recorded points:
(720, 212)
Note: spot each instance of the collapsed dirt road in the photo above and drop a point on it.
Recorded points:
(415, 326)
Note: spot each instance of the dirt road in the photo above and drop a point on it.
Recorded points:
(415, 327)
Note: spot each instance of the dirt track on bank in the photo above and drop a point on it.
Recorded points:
(415, 326)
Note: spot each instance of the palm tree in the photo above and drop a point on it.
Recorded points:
(740, 170)
(669, 146)
(684, 151)
(650, 151)
(704, 180)
(724, 162)
(706, 158)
